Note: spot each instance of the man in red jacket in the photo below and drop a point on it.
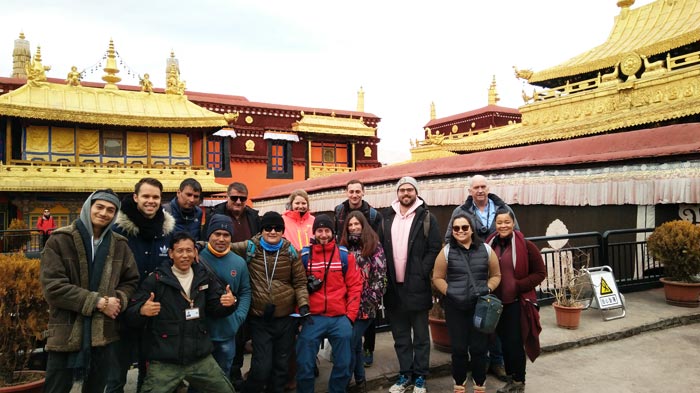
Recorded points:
(334, 286)
(45, 225)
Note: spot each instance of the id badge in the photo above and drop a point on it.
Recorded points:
(192, 313)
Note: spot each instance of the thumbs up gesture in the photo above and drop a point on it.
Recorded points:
(150, 308)
(227, 299)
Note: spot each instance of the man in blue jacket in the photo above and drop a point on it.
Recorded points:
(148, 229)
(185, 208)
(232, 270)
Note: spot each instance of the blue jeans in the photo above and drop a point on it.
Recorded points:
(338, 330)
(358, 331)
(223, 353)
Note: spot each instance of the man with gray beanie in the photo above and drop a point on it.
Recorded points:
(412, 240)
(87, 275)
(232, 270)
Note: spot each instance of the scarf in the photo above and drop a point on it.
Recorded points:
(149, 228)
(216, 253)
(270, 247)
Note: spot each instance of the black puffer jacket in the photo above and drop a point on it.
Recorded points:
(169, 336)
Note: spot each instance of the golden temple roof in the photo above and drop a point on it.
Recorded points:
(649, 30)
(323, 124)
(81, 104)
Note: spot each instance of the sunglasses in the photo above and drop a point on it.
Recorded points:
(457, 228)
(236, 198)
(270, 228)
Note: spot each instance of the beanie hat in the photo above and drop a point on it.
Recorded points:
(219, 221)
(323, 221)
(106, 195)
(409, 180)
(271, 219)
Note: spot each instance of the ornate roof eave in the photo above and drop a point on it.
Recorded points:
(80, 104)
(648, 30)
(28, 178)
(332, 125)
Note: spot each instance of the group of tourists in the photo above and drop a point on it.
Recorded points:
(142, 281)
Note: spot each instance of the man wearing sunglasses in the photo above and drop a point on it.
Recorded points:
(246, 220)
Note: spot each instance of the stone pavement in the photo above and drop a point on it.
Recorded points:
(646, 311)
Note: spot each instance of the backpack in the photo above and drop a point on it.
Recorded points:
(343, 257)
(250, 251)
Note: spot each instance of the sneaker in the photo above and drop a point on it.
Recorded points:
(419, 385)
(368, 358)
(401, 385)
(460, 388)
(361, 386)
(498, 371)
(480, 389)
(512, 387)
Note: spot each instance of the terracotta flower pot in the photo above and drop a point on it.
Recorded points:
(567, 317)
(35, 386)
(439, 334)
(682, 294)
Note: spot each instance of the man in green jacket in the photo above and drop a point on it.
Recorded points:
(87, 274)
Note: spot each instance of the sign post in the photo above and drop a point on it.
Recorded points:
(606, 297)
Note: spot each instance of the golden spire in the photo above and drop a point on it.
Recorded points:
(35, 70)
(169, 63)
(493, 96)
(21, 56)
(432, 110)
(111, 69)
(361, 100)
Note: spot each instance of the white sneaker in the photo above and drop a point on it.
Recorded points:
(401, 385)
(419, 385)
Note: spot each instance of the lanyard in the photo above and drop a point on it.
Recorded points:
(190, 301)
(271, 276)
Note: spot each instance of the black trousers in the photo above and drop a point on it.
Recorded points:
(468, 345)
(508, 330)
(60, 378)
(370, 336)
(273, 342)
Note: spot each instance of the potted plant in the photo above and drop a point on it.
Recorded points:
(676, 244)
(568, 288)
(438, 326)
(24, 316)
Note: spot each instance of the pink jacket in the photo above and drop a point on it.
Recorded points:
(298, 229)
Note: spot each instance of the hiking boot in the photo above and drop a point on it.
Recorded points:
(361, 386)
(401, 385)
(512, 387)
(498, 371)
(368, 358)
(419, 385)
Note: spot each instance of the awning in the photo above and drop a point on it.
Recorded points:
(224, 132)
(281, 136)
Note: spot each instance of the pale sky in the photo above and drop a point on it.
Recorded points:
(404, 54)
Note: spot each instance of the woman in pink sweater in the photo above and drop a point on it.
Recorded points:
(298, 222)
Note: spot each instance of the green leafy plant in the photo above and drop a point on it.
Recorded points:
(24, 313)
(676, 244)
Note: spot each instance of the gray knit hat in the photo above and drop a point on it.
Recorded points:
(409, 180)
(106, 195)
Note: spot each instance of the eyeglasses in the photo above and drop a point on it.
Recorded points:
(406, 190)
(270, 228)
(457, 228)
(236, 198)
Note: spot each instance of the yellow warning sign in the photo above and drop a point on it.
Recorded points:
(604, 287)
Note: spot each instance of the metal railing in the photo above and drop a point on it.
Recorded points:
(20, 240)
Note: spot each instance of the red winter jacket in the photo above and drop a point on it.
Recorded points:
(45, 225)
(340, 293)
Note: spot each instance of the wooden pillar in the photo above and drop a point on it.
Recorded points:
(353, 156)
(148, 149)
(8, 142)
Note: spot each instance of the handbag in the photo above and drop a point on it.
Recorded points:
(487, 313)
(488, 308)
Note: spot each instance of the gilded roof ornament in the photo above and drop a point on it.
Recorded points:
(432, 110)
(231, 116)
(111, 69)
(493, 95)
(173, 84)
(21, 56)
(522, 74)
(146, 84)
(35, 70)
(73, 78)
(361, 100)
(625, 3)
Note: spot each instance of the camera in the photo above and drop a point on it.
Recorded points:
(484, 230)
(313, 284)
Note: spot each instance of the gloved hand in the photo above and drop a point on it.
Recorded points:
(305, 315)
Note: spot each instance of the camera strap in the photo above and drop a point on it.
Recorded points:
(270, 277)
(309, 270)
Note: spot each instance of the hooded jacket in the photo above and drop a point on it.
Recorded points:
(149, 253)
(298, 229)
(415, 294)
(186, 221)
(65, 279)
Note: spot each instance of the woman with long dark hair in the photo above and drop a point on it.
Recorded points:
(361, 240)
(464, 270)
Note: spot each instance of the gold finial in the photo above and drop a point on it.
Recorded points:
(493, 96)
(625, 3)
(432, 111)
(111, 69)
(173, 84)
(73, 78)
(361, 100)
(35, 70)
(146, 84)
(21, 57)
